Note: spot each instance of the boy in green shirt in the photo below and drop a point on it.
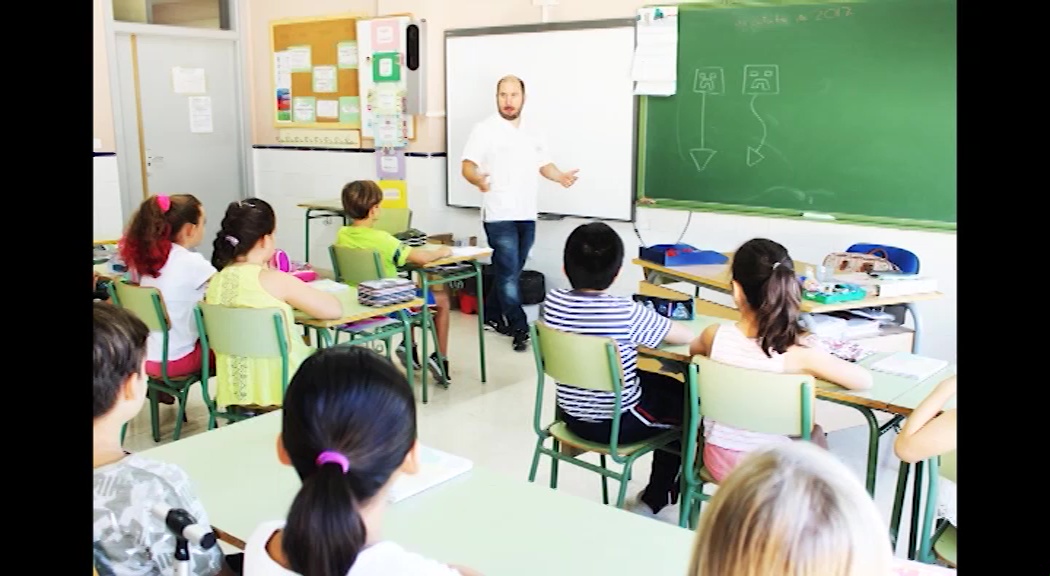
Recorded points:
(361, 200)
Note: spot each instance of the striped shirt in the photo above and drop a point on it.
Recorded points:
(621, 319)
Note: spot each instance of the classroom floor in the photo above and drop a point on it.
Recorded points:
(492, 423)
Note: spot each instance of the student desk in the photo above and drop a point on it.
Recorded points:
(320, 209)
(498, 525)
(717, 277)
(881, 396)
(353, 311)
(427, 279)
(482, 519)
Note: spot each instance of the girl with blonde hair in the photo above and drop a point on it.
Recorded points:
(791, 510)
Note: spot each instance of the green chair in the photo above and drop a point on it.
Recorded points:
(942, 542)
(394, 220)
(355, 265)
(246, 332)
(592, 363)
(148, 305)
(753, 400)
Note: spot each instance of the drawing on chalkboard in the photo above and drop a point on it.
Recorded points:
(709, 80)
(760, 80)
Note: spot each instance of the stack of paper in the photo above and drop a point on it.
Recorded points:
(655, 66)
(909, 366)
(385, 292)
(435, 467)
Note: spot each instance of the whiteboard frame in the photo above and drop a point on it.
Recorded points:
(530, 28)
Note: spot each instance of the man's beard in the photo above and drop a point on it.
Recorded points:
(513, 116)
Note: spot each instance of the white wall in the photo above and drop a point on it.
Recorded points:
(107, 214)
(285, 177)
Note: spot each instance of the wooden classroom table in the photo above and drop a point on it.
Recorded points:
(320, 209)
(498, 525)
(717, 277)
(427, 279)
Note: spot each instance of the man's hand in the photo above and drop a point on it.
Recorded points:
(483, 181)
(567, 179)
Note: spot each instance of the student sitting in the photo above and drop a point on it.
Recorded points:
(361, 203)
(929, 432)
(128, 538)
(791, 509)
(242, 252)
(158, 248)
(651, 403)
(349, 429)
(767, 337)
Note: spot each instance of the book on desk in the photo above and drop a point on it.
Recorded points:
(435, 467)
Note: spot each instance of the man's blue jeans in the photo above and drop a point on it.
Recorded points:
(510, 242)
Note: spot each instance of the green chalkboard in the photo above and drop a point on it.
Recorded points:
(845, 109)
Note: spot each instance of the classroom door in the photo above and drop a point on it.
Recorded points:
(182, 127)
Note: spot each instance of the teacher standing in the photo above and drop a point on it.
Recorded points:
(502, 158)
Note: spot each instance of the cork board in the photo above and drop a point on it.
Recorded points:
(314, 73)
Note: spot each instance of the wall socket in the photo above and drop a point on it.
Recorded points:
(324, 138)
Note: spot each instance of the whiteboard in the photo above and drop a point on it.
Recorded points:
(578, 90)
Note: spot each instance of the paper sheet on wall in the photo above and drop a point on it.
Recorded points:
(390, 164)
(301, 61)
(327, 108)
(387, 98)
(347, 54)
(350, 110)
(200, 115)
(282, 80)
(655, 66)
(325, 79)
(188, 80)
(303, 108)
(386, 35)
(389, 131)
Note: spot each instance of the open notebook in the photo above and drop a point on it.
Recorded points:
(435, 467)
(909, 365)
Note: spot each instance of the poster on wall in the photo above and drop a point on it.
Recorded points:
(381, 49)
(282, 79)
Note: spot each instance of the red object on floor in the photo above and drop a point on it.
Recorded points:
(468, 303)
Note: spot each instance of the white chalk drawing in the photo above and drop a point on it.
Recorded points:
(760, 80)
(708, 80)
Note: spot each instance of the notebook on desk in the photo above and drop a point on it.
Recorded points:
(909, 365)
(435, 467)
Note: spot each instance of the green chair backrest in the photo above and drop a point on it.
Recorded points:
(754, 400)
(394, 220)
(579, 360)
(355, 265)
(947, 466)
(248, 332)
(144, 302)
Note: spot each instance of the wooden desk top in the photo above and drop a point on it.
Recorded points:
(717, 276)
(454, 259)
(887, 393)
(333, 204)
(353, 311)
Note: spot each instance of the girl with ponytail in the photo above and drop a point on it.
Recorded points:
(242, 252)
(767, 337)
(158, 248)
(349, 430)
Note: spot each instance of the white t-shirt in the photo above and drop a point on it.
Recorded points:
(380, 559)
(512, 158)
(181, 283)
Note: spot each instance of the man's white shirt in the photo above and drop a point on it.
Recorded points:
(512, 158)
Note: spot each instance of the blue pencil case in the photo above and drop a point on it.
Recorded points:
(680, 255)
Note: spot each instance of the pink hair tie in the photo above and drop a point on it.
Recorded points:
(332, 457)
(164, 202)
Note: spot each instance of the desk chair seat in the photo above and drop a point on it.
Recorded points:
(355, 265)
(148, 305)
(767, 402)
(592, 363)
(241, 332)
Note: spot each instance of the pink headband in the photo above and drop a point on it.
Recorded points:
(164, 202)
(332, 457)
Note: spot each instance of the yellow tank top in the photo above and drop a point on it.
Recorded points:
(252, 381)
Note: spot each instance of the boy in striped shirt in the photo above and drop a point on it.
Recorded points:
(651, 403)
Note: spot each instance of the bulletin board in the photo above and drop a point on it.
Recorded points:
(382, 38)
(314, 66)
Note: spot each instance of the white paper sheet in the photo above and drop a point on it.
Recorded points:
(655, 65)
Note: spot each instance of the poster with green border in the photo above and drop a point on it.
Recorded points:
(385, 67)
(350, 110)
